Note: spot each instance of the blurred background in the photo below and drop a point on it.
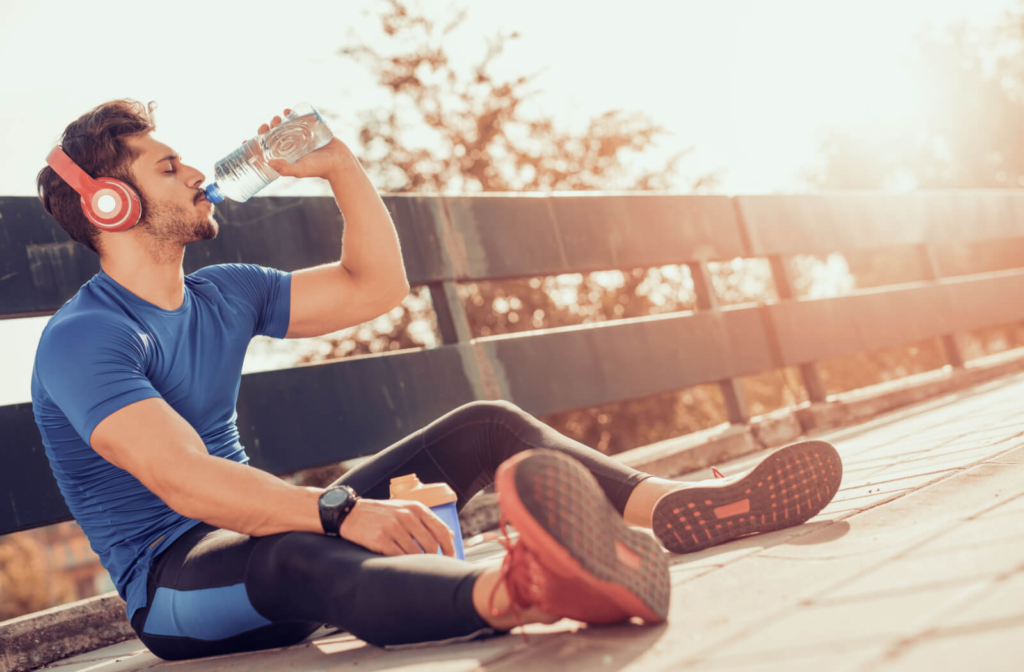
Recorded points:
(732, 97)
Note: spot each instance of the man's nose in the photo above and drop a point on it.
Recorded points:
(198, 179)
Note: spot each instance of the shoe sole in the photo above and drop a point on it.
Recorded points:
(787, 488)
(565, 518)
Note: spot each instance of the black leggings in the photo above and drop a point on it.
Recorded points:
(215, 591)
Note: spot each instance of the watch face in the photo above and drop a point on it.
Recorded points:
(334, 497)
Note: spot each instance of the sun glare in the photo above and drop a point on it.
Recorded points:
(820, 66)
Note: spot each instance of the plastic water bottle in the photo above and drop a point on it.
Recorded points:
(439, 497)
(245, 171)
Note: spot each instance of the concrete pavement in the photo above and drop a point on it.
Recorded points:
(917, 564)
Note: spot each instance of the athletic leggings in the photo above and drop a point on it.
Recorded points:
(215, 591)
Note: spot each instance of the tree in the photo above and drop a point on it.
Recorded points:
(472, 128)
(971, 135)
(465, 130)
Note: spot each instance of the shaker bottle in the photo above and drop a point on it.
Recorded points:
(439, 497)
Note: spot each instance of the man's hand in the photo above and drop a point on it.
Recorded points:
(323, 162)
(394, 526)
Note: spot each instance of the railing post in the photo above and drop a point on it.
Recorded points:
(485, 374)
(452, 321)
(950, 342)
(736, 408)
(809, 372)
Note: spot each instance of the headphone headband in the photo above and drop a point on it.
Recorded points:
(70, 172)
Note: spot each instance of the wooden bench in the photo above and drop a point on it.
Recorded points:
(313, 415)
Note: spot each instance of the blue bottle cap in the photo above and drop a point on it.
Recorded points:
(213, 194)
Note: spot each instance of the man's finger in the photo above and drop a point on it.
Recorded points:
(391, 548)
(406, 543)
(439, 530)
(422, 534)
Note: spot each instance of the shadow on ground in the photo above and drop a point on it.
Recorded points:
(802, 535)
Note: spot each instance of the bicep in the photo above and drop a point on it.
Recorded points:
(151, 441)
(327, 298)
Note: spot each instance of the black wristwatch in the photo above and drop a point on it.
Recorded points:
(335, 504)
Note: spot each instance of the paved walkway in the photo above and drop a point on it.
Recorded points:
(918, 564)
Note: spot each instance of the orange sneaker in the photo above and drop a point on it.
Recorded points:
(575, 557)
(786, 488)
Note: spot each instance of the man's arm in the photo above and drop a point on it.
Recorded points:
(152, 442)
(369, 278)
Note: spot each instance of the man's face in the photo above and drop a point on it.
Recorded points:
(174, 209)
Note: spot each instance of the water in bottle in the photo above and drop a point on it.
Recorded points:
(439, 497)
(245, 171)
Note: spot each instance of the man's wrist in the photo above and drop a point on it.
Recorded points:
(335, 504)
(345, 164)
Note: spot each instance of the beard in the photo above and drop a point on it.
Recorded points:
(169, 227)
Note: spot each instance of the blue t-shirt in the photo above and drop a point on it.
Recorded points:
(107, 348)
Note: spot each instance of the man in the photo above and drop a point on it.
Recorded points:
(134, 391)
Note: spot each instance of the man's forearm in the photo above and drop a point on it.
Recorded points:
(370, 247)
(241, 498)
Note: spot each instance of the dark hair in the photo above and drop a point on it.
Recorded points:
(96, 142)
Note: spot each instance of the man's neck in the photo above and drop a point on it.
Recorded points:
(160, 282)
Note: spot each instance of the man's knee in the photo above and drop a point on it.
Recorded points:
(497, 409)
(295, 559)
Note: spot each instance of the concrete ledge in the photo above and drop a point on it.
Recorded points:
(693, 451)
(865, 403)
(46, 636)
(699, 450)
(38, 639)
(777, 428)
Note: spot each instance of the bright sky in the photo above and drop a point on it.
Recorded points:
(751, 84)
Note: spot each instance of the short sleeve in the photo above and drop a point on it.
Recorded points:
(268, 290)
(90, 369)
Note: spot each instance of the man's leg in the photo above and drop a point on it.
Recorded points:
(465, 447)
(197, 602)
(215, 591)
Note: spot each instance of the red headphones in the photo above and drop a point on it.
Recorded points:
(108, 203)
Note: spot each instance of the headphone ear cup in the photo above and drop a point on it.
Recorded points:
(113, 207)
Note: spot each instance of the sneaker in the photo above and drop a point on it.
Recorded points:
(788, 487)
(575, 556)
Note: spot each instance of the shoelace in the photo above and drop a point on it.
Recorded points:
(518, 583)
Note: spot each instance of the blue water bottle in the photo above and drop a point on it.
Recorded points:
(439, 497)
(246, 170)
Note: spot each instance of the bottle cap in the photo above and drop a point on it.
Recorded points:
(213, 194)
(430, 494)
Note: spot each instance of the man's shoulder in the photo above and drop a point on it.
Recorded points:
(84, 320)
(231, 271)
(83, 334)
(237, 277)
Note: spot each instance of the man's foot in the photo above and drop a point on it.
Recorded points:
(575, 557)
(788, 487)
